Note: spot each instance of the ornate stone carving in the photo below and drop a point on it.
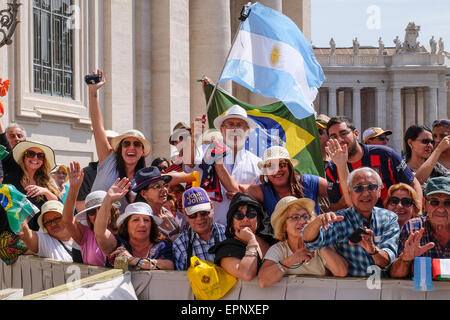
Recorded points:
(398, 45)
(355, 47)
(412, 33)
(380, 47)
(332, 47)
(8, 23)
(441, 46)
(433, 45)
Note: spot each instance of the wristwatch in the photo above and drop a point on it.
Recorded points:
(139, 264)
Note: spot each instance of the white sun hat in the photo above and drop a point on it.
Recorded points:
(276, 153)
(234, 112)
(141, 208)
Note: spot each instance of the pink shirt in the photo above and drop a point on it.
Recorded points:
(90, 251)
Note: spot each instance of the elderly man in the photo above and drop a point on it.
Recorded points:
(13, 134)
(202, 233)
(376, 136)
(347, 155)
(378, 228)
(426, 236)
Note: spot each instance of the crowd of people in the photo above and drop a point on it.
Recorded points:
(255, 217)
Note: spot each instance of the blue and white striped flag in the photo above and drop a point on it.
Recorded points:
(272, 57)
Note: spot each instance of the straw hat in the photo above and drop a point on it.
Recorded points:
(235, 112)
(276, 219)
(23, 146)
(276, 152)
(132, 134)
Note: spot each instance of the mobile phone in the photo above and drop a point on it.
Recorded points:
(355, 237)
(93, 78)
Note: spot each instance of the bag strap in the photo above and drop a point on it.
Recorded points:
(68, 251)
(190, 246)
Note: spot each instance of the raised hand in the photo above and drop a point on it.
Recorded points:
(336, 152)
(413, 248)
(119, 189)
(96, 86)
(327, 218)
(76, 174)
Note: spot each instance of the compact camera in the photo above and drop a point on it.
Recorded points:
(93, 78)
(355, 237)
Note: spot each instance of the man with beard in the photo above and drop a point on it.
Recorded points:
(347, 154)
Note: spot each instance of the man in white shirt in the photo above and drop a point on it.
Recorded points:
(52, 240)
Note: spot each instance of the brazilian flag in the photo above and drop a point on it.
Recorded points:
(17, 207)
(275, 126)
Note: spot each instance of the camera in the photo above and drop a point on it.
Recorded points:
(93, 78)
(355, 237)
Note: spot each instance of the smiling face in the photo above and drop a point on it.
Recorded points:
(423, 145)
(235, 132)
(53, 223)
(251, 223)
(34, 158)
(404, 211)
(345, 136)
(202, 222)
(139, 227)
(277, 171)
(364, 202)
(437, 211)
(156, 193)
(132, 150)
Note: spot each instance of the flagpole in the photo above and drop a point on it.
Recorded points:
(243, 16)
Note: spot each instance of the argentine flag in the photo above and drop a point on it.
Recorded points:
(272, 57)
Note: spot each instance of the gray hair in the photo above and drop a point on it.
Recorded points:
(16, 125)
(365, 169)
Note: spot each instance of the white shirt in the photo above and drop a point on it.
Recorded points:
(244, 171)
(50, 247)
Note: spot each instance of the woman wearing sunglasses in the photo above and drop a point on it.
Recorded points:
(290, 255)
(402, 199)
(81, 227)
(123, 157)
(242, 252)
(32, 177)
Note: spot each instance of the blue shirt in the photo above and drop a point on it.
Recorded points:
(385, 229)
(199, 247)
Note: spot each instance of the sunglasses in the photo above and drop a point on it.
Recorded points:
(359, 188)
(127, 143)
(297, 217)
(406, 202)
(441, 123)
(381, 138)
(437, 203)
(201, 213)
(48, 222)
(251, 213)
(31, 154)
(427, 141)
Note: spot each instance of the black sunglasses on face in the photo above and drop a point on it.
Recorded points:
(127, 143)
(436, 203)
(427, 141)
(31, 154)
(201, 213)
(406, 202)
(381, 138)
(359, 188)
(251, 213)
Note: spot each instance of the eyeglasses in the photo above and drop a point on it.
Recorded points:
(406, 202)
(297, 217)
(201, 213)
(251, 213)
(427, 141)
(31, 154)
(92, 212)
(359, 188)
(341, 134)
(442, 122)
(437, 203)
(48, 222)
(127, 143)
(233, 125)
(158, 187)
(381, 138)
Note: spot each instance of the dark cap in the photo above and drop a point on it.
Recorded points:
(147, 176)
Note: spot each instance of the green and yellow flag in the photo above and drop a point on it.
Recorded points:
(275, 126)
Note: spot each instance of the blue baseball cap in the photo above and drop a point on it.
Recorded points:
(195, 200)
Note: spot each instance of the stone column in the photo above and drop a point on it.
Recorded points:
(420, 105)
(299, 11)
(170, 57)
(210, 41)
(380, 108)
(410, 107)
(356, 115)
(118, 44)
(332, 102)
(323, 108)
(432, 105)
(442, 106)
(397, 132)
(348, 102)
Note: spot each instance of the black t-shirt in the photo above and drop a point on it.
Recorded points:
(90, 172)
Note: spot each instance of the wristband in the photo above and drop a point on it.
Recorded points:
(280, 266)
(139, 264)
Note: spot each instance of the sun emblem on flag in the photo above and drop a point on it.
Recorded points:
(275, 55)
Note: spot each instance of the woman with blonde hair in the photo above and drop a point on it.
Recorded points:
(402, 199)
(290, 255)
(32, 175)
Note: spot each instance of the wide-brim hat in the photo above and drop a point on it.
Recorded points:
(49, 206)
(93, 200)
(374, 132)
(23, 146)
(132, 133)
(141, 208)
(276, 153)
(146, 176)
(285, 203)
(235, 112)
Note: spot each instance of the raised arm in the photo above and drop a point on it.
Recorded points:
(30, 237)
(424, 171)
(105, 239)
(339, 155)
(101, 141)
(75, 228)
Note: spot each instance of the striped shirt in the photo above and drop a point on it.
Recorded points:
(385, 229)
(199, 247)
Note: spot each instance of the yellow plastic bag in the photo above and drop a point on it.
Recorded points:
(208, 280)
